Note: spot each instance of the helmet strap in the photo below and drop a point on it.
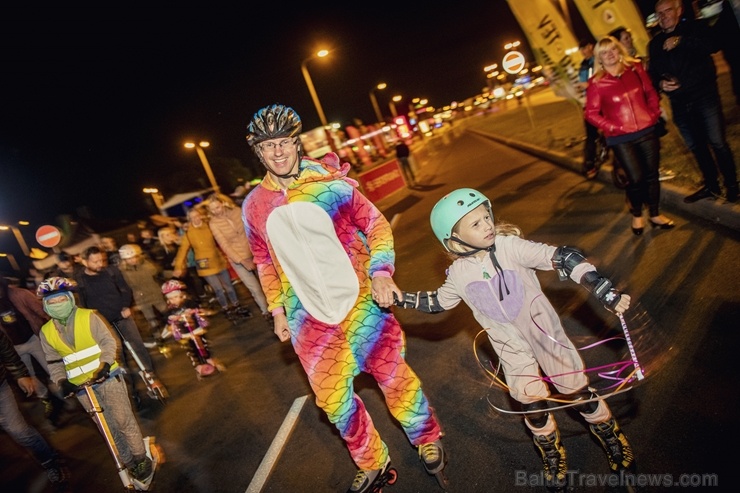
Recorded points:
(501, 277)
(473, 250)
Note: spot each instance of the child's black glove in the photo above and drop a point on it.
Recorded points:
(68, 388)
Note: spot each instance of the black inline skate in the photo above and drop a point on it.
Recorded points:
(433, 457)
(554, 461)
(615, 444)
(373, 481)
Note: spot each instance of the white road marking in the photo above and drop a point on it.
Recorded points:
(263, 471)
(394, 220)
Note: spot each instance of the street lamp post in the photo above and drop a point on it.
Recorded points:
(18, 236)
(315, 97)
(374, 100)
(392, 104)
(157, 198)
(202, 155)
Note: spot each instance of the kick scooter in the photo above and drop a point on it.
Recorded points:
(153, 450)
(154, 387)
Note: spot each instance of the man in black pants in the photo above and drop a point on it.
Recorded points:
(104, 289)
(402, 153)
(681, 66)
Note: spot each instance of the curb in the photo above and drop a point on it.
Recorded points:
(716, 211)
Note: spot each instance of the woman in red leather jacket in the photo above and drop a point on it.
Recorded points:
(622, 102)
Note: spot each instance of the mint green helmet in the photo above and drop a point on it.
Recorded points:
(451, 208)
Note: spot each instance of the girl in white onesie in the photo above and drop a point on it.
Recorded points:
(494, 273)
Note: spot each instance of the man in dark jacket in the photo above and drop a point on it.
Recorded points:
(21, 318)
(402, 153)
(682, 67)
(12, 421)
(104, 289)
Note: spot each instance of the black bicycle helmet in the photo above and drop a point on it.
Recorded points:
(273, 122)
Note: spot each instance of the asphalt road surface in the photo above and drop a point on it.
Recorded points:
(255, 428)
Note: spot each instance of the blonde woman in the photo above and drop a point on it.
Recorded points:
(622, 102)
(210, 263)
(228, 230)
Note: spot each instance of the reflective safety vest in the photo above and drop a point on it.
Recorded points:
(83, 360)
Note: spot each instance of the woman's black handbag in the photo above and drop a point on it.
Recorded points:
(661, 129)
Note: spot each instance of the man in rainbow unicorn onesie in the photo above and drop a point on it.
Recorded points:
(324, 255)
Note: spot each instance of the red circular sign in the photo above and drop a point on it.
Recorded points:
(513, 62)
(48, 236)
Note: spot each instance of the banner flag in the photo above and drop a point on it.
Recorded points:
(601, 16)
(553, 44)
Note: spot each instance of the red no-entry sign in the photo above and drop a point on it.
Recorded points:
(48, 236)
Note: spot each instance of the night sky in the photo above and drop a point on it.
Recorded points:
(95, 104)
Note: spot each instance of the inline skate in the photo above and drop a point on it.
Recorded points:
(433, 457)
(615, 444)
(373, 481)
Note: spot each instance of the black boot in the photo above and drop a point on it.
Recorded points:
(732, 192)
(58, 474)
(53, 407)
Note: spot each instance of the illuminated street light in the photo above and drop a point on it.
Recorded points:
(374, 100)
(157, 197)
(392, 104)
(511, 46)
(315, 97)
(204, 161)
(18, 236)
(491, 72)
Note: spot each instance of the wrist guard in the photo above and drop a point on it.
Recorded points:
(565, 259)
(602, 288)
(424, 301)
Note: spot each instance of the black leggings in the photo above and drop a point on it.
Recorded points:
(639, 158)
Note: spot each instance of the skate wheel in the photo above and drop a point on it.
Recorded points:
(392, 476)
(442, 480)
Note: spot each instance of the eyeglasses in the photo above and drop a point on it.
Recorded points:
(272, 146)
